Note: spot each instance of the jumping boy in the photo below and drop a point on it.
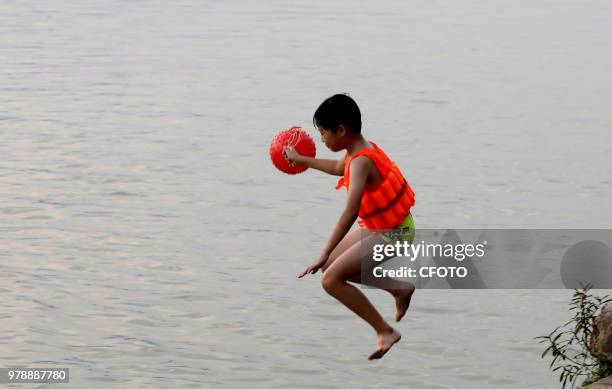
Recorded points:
(379, 195)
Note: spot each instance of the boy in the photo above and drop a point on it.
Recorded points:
(378, 194)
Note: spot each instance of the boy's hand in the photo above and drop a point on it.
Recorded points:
(315, 266)
(292, 155)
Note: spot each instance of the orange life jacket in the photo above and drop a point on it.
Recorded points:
(387, 205)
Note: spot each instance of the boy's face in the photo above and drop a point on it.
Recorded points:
(333, 140)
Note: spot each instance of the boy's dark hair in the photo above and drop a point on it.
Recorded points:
(336, 110)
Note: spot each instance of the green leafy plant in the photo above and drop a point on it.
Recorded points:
(569, 344)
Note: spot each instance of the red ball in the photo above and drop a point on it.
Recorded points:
(298, 139)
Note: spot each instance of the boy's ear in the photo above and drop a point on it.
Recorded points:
(342, 130)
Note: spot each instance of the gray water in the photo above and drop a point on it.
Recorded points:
(148, 242)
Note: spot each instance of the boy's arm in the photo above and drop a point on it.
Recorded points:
(360, 169)
(329, 166)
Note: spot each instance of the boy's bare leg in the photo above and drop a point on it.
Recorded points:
(400, 290)
(348, 265)
(351, 238)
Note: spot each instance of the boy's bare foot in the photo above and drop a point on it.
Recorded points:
(384, 342)
(402, 301)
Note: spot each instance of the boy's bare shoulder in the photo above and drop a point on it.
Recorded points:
(362, 164)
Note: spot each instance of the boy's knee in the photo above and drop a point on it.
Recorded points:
(328, 282)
